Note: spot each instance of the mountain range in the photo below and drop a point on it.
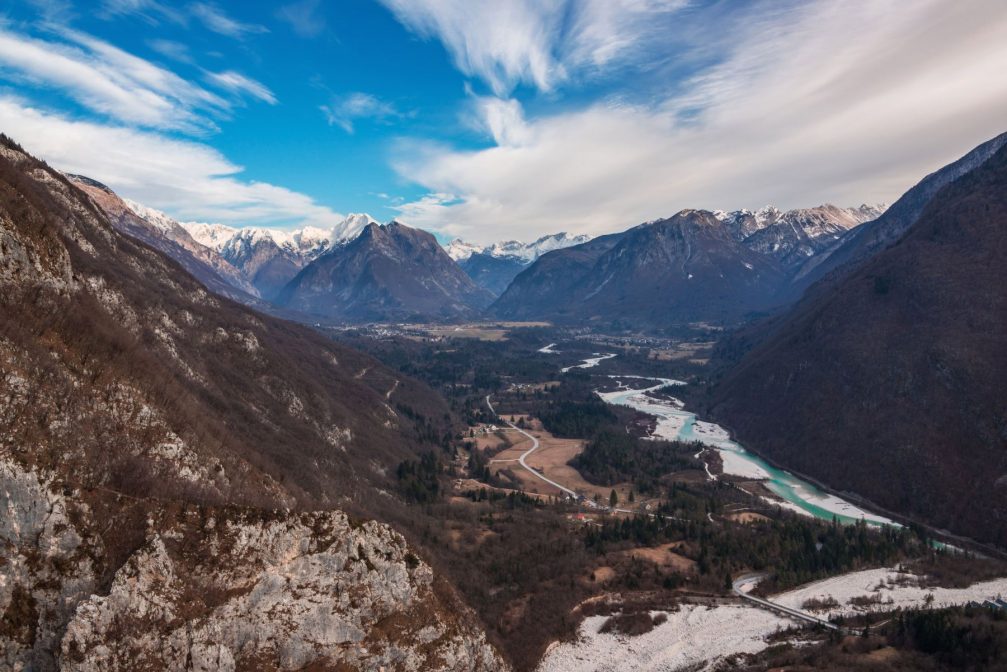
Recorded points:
(270, 258)
(495, 266)
(700, 266)
(696, 266)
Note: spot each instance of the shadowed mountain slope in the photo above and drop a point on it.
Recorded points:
(891, 380)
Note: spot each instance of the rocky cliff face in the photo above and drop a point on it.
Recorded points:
(215, 589)
(148, 431)
(47, 566)
(226, 590)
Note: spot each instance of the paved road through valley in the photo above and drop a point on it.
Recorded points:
(534, 447)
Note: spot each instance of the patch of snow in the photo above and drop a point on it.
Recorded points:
(870, 582)
(700, 636)
(693, 635)
(590, 362)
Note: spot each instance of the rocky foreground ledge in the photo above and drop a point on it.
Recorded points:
(216, 589)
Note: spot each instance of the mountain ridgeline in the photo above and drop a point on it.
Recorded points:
(697, 266)
(389, 272)
(889, 378)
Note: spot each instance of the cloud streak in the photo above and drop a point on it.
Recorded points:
(190, 180)
(113, 83)
(216, 19)
(344, 111)
(303, 17)
(240, 84)
(538, 42)
(797, 112)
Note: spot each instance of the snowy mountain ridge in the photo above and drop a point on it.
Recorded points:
(309, 241)
(459, 250)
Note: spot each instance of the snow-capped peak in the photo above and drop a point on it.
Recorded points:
(308, 241)
(459, 250)
(350, 228)
(213, 236)
(155, 218)
(526, 253)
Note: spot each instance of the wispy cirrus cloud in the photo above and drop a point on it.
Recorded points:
(345, 110)
(109, 81)
(304, 17)
(176, 51)
(118, 85)
(151, 11)
(216, 19)
(211, 15)
(795, 111)
(537, 42)
(240, 84)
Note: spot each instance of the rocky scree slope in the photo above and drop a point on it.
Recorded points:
(127, 389)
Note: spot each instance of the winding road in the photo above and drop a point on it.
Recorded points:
(534, 447)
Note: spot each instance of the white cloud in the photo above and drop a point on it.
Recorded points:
(824, 102)
(217, 20)
(189, 180)
(238, 83)
(504, 120)
(151, 11)
(303, 17)
(107, 81)
(119, 85)
(344, 110)
(171, 49)
(539, 42)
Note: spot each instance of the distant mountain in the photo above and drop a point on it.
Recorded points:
(494, 267)
(389, 272)
(792, 237)
(890, 379)
(862, 242)
(695, 266)
(270, 258)
(492, 273)
(168, 236)
(459, 250)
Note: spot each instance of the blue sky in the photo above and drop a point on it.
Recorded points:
(493, 119)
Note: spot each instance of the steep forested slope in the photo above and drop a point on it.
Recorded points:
(891, 381)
